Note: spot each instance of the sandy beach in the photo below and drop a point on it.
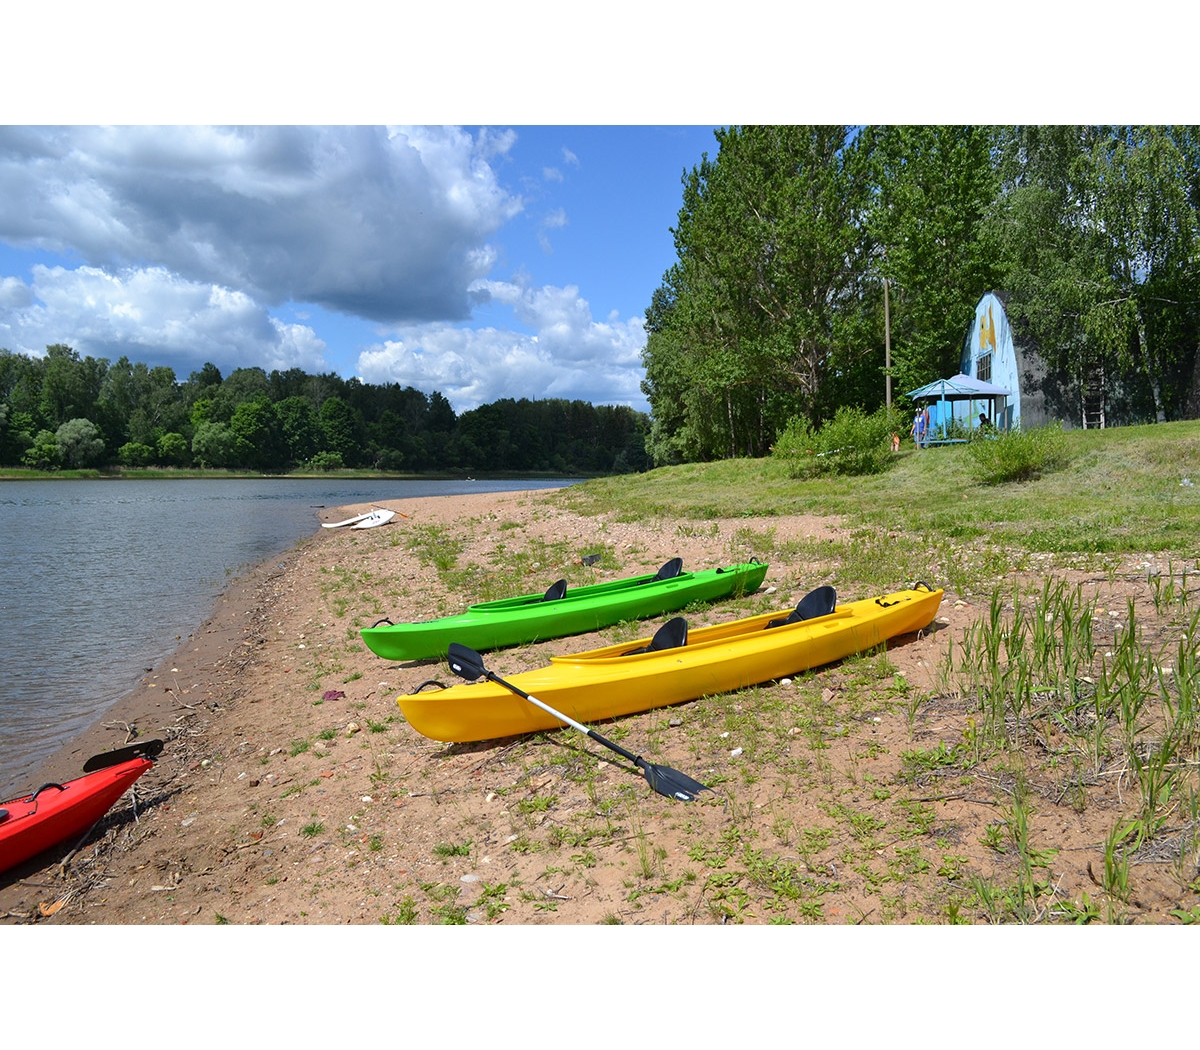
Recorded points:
(291, 790)
(219, 832)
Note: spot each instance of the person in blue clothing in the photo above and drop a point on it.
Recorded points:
(920, 423)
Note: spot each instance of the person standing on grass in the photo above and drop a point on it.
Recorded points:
(918, 428)
(925, 425)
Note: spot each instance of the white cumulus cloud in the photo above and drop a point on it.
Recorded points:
(390, 224)
(570, 355)
(154, 315)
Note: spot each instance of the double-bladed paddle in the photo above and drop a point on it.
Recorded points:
(468, 664)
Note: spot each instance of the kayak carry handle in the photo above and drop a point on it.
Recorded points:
(33, 797)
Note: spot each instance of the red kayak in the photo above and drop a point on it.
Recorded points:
(55, 812)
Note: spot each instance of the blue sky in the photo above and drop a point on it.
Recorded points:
(509, 258)
(484, 262)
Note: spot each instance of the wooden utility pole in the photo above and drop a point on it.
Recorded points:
(887, 343)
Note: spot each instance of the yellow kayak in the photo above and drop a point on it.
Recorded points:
(615, 680)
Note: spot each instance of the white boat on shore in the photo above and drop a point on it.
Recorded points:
(367, 520)
(376, 517)
(348, 521)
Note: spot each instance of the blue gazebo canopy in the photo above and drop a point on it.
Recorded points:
(958, 388)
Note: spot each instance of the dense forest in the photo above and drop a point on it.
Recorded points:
(64, 411)
(799, 251)
(789, 240)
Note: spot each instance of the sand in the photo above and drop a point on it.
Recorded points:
(291, 791)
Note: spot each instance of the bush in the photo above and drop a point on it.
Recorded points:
(325, 461)
(851, 443)
(135, 454)
(1019, 455)
(172, 449)
(44, 453)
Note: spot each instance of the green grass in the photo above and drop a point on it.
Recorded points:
(1121, 490)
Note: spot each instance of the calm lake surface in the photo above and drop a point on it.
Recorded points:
(101, 579)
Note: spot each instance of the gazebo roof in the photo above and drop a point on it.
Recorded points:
(958, 388)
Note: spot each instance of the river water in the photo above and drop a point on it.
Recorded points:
(100, 580)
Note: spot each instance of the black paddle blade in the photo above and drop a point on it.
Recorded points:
(464, 662)
(150, 749)
(670, 782)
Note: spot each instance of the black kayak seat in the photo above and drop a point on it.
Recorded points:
(671, 635)
(3, 815)
(669, 570)
(820, 602)
(555, 591)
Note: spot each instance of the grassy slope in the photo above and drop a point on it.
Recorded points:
(1124, 490)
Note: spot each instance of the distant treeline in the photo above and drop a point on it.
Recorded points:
(62, 410)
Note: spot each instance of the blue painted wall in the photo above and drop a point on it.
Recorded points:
(990, 341)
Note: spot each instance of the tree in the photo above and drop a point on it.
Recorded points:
(1146, 232)
(763, 307)
(260, 442)
(342, 430)
(16, 435)
(213, 445)
(172, 449)
(300, 428)
(79, 443)
(135, 454)
(935, 186)
(242, 384)
(138, 402)
(1098, 227)
(70, 386)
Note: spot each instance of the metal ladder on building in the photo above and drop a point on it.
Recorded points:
(1091, 397)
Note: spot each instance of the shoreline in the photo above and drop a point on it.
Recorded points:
(187, 698)
(292, 791)
(122, 665)
(197, 660)
(201, 659)
(256, 761)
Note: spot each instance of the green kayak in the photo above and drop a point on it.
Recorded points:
(562, 611)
